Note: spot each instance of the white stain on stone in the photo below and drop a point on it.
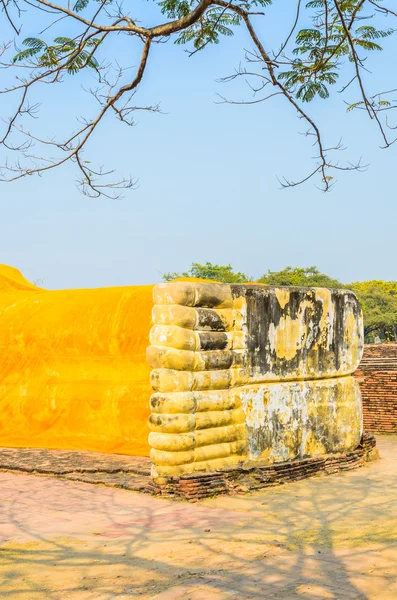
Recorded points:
(253, 403)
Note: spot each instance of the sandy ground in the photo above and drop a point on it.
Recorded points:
(326, 537)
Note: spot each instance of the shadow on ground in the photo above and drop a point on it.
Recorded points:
(326, 537)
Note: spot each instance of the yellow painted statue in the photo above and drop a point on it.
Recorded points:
(242, 374)
(73, 370)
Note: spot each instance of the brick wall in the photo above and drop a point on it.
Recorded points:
(377, 376)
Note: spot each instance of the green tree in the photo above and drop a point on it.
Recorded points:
(223, 273)
(308, 276)
(378, 298)
(326, 47)
(379, 302)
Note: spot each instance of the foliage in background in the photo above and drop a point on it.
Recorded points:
(378, 298)
(379, 302)
(222, 273)
(309, 276)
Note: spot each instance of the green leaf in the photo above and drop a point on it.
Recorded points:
(80, 5)
(34, 47)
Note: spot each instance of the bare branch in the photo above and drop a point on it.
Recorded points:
(297, 74)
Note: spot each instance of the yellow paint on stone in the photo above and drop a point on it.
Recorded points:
(287, 337)
(313, 446)
(351, 337)
(301, 414)
(288, 420)
(283, 296)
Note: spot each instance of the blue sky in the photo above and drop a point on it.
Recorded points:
(207, 182)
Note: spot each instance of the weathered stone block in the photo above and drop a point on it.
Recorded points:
(288, 420)
(252, 374)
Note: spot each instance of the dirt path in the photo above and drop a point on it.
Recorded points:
(326, 537)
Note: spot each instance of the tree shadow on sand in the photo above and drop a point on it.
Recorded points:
(327, 537)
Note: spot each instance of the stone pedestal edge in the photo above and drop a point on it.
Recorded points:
(197, 486)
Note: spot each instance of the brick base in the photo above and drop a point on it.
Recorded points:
(133, 473)
(198, 486)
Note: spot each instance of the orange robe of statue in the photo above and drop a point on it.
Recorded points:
(73, 371)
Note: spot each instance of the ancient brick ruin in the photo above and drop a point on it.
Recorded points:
(377, 376)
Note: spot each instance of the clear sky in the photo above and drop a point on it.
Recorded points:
(207, 184)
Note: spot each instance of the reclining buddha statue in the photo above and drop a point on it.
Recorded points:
(199, 375)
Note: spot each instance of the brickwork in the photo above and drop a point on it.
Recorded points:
(203, 485)
(377, 376)
(133, 473)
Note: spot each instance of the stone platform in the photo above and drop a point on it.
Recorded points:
(113, 470)
(133, 472)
